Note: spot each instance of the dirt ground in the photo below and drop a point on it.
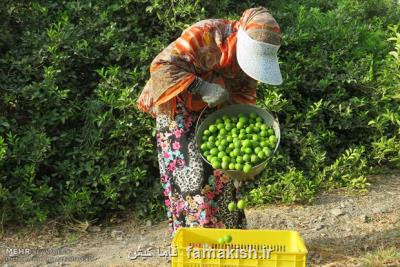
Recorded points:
(340, 229)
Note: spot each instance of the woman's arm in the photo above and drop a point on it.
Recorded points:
(190, 58)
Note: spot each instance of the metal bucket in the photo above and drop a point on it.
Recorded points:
(234, 110)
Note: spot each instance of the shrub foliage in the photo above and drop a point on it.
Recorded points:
(72, 143)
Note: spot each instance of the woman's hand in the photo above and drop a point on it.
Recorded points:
(212, 93)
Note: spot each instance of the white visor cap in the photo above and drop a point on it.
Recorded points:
(258, 59)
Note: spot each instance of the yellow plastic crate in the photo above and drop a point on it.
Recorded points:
(268, 248)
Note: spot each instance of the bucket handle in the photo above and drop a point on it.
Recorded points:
(198, 120)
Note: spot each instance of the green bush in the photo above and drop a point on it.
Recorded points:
(338, 106)
(72, 143)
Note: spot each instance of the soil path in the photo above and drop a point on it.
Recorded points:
(339, 228)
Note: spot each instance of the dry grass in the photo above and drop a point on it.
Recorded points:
(383, 257)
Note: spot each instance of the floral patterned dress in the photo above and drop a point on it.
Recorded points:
(195, 194)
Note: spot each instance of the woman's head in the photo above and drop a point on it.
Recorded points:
(258, 41)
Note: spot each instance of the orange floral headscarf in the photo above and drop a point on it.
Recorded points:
(207, 49)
